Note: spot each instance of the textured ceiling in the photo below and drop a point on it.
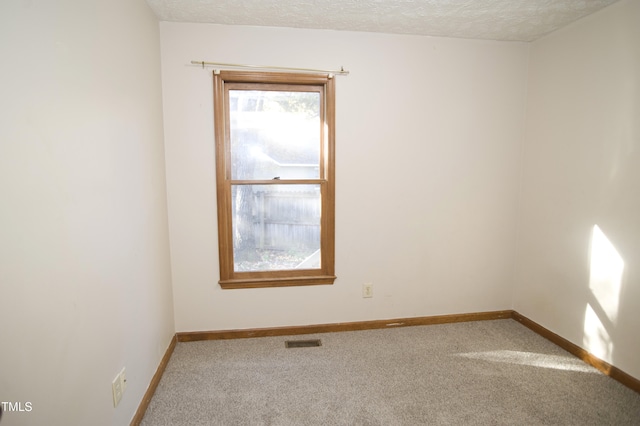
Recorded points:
(515, 20)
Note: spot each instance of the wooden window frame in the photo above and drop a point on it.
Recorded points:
(229, 278)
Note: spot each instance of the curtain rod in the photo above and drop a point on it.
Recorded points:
(213, 64)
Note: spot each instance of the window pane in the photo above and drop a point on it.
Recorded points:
(274, 134)
(275, 227)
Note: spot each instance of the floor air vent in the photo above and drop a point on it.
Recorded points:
(302, 343)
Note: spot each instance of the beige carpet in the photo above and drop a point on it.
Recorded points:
(477, 373)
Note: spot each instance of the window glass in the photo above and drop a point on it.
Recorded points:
(274, 134)
(275, 227)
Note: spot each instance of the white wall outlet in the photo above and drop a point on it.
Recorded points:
(116, 389)
(367, 290)
(118, 386)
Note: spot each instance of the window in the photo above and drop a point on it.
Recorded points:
(275, 178)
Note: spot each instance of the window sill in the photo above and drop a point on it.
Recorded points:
(277, 282)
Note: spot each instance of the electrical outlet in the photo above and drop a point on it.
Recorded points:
(118, 386)
(116, 389)
(367, 290)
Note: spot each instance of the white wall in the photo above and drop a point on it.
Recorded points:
(84, 258)
(428, 154)
(582, 168)
(428, 144)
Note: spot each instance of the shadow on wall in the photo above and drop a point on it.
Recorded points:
(606, 267)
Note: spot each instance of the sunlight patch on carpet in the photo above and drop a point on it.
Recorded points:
(532, 359)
